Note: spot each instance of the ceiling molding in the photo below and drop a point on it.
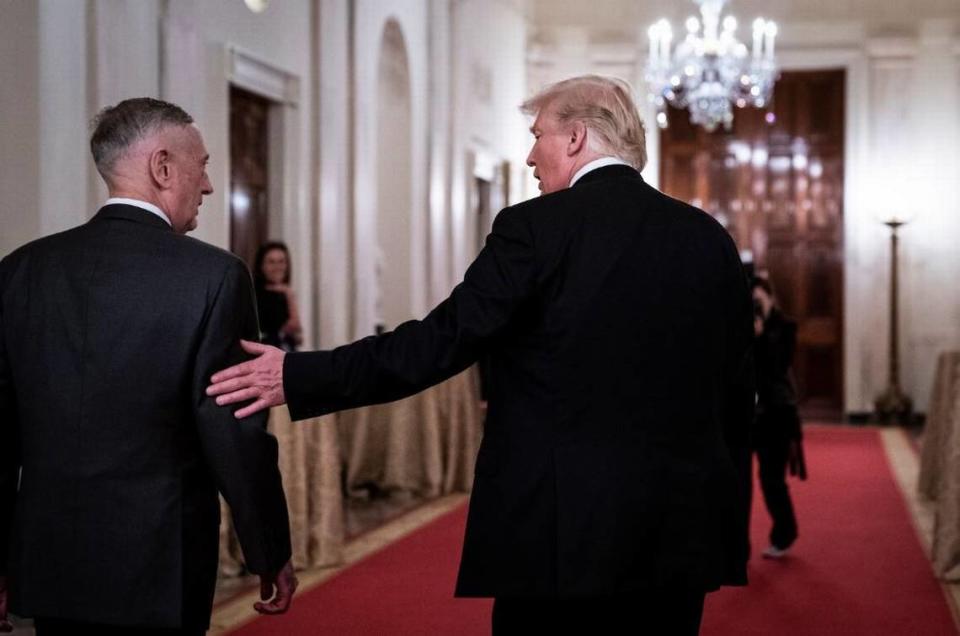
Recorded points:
(895, 47)
(253, 74)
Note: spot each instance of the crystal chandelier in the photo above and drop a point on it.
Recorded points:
(708, 72)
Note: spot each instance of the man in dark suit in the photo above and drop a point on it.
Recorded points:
(610, 483)
(112, 455)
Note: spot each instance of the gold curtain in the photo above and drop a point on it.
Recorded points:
(939, 478)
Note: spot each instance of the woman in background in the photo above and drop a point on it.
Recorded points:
(276, 304)
(777, 435)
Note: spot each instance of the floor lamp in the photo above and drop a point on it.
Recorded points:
(893, 405)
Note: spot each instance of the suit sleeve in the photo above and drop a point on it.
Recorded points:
(421, 353)
(9, 440)
(241, 455)
(738, 409)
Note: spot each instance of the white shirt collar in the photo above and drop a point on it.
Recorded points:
(597, 163)
(143, 205)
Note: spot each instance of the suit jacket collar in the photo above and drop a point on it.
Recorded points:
(131, 213)
(608, 172)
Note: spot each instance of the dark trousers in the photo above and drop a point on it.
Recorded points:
(57, 627)
(660, 613)
(772, 455)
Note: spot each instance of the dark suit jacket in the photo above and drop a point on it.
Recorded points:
(774, 354)
(109, 334)
(615, 454)
(777, 418)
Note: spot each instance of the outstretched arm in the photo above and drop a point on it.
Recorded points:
(416, 355)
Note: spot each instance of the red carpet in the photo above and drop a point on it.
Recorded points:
(858, 568)
(406, 588)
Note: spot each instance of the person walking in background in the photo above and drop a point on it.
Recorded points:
(276, 304)
(777, 434)
(609, 488)
(111, 454)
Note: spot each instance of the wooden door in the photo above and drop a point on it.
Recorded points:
(249, 176)
(775, 180)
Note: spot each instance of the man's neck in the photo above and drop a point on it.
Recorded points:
(133, 196)
(594, 162)
(136, 194)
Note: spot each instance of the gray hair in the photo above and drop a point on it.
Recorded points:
(116, 128)
(605, 106)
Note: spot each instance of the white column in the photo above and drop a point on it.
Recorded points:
(931, 261)
(20, 132)
(441, 52)
(334, 241)
(64, 160)
(124, 57)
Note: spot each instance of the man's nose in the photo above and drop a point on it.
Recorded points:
(530, 161)
(207, 186)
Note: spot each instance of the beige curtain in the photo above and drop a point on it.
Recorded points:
(939, 477)
(425, 444)
(310, 467)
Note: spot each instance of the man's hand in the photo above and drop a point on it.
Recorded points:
(5, 625)
(276, 591)
(796, 464)
(260, 380)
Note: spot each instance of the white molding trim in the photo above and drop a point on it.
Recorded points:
(253, 74)
(892, 47)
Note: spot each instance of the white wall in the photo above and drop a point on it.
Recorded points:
(489, 85)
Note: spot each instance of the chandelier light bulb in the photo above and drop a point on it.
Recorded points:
(710, 71)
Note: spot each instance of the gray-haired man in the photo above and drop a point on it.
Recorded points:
(112, 455)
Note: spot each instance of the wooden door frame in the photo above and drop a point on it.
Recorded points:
(291, 219)
(854, 61)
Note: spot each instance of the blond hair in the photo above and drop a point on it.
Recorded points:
(605, 106)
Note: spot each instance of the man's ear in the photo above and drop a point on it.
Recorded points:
(161, 171)
(576, 138)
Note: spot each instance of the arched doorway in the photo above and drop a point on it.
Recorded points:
(394, 181)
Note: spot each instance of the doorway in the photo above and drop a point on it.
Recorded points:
(775, 181)
(249, 173)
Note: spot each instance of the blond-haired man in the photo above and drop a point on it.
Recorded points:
(610, 481)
